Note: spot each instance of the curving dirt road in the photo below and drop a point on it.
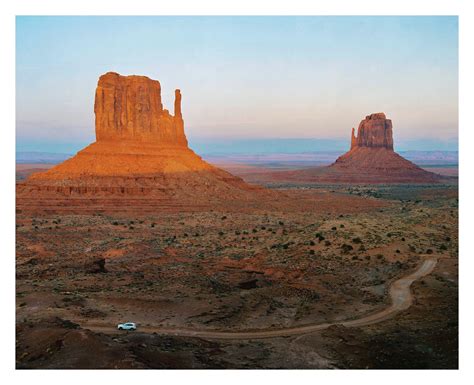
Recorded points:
(400, 295)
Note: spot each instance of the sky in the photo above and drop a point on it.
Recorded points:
(245, 80)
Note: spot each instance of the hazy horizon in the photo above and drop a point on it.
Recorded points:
(245, 79)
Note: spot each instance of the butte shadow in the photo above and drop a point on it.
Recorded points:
(140, 153)
(370, 160)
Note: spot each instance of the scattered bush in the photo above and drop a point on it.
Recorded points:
(346, 248)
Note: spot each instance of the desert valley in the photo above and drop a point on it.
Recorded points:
(349, 265)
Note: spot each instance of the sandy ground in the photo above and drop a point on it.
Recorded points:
(243, 271)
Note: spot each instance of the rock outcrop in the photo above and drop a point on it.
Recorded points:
(140, 150)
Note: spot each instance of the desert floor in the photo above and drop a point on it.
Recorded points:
(77, 276)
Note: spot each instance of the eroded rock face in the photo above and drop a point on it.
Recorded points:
(130, 108)
(374, 131)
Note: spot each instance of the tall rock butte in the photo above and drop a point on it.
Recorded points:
(129, 108)
(371, 159)
(140, 150)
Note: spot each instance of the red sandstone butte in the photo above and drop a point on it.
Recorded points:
(140, 149)
(371, 159)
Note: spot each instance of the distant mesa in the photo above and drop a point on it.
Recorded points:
(371, 160)
(140, 150)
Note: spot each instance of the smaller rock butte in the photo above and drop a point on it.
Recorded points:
(140, 149)
(371, 159)
(375, 131)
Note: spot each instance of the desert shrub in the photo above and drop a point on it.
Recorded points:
(311, 252)
(115, 223)
(346, 248)
(327, 243)
(312, 243)
(334, 228)
(221, 233)
(397, 251)
(357, 240)
(280, 223)
(429, 251)
(341, 226)
(443, 247)
(224, 217)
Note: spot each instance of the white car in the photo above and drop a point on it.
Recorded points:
(127, 326)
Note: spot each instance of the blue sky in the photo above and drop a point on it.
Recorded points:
(244, 78)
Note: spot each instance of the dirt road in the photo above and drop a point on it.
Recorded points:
(400, 295)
